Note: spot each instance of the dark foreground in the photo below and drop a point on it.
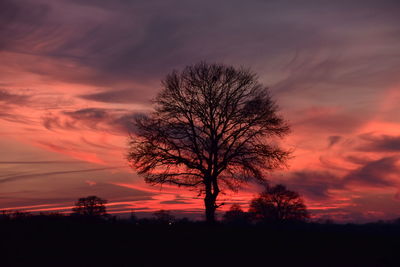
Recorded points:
(76, 242)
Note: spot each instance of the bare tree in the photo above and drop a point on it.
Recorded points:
(278, 204)
(91, 206)
(213, 127)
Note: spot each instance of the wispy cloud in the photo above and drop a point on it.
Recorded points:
(120, 96)
(116, 121)
(18, 177)
(39, 162)
(376, 173)
(379, 143)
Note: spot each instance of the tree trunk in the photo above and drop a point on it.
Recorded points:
(210, 209)
(209, 202)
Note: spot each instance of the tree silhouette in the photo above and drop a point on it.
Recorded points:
(164, 216)
(278, 204)
(90, 206)
(214, 127)
(235, 215)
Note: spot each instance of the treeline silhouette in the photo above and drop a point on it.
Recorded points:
(275, 204)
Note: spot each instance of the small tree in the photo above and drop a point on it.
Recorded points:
(235, 215)
(90, 206)
(277, 204)
(133, 217)
(164, 216)
(212, 128)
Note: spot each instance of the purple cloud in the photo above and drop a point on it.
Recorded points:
(333, 139)
(375, 173)
(381, 143)
(117, 121)
(125, 96)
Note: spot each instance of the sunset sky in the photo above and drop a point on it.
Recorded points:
(74, 73)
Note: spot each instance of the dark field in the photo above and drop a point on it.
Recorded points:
(40, 241)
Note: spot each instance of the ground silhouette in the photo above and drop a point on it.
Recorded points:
(59, 240)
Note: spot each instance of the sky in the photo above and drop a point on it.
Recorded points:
(74, 73)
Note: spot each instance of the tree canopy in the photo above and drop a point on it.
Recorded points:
(90, 206)
(278, 204)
